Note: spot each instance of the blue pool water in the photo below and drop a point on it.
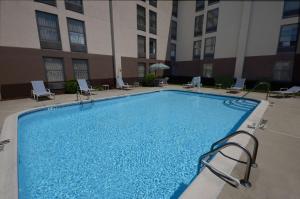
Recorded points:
(143, 146)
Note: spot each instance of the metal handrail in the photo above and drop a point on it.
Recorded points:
(256, 86)
(227, 178)
(255, 148)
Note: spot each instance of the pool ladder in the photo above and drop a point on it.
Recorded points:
(221, 144)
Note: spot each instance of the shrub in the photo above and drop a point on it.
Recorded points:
(71, 87)
(225, 81)
(149, 79)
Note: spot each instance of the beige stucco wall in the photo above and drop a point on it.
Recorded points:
(24, 33)
(125, 29)
(265, 27)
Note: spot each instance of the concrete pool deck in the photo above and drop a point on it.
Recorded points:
(278, 172)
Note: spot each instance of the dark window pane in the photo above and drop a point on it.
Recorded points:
(54, 72)
(141, 70)
(175, 8)
(197, 49)
(173, 30)
(198, 25)
(48, 30)
(80, 67)
(209, 47)
(199, 5)
(288, 38)
(173, 52)
(152, 22)
(152, 48)
(212, 20)
(49, 2)
(141, 18)
(74, 5)
(141, 46)
(77, 35)
(291, 8)
(212, 1)
(153, 3)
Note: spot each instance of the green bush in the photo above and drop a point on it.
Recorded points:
(225, 81)
(99, 88)
(149, 79)
(71, 86)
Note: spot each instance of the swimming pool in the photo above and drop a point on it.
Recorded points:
(141, 146)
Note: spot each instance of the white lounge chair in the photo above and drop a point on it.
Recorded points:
(196, 82)
(238, 86)
(84, 88)
(122, 85)
(39, 90)
(164, 82)
(284, 92)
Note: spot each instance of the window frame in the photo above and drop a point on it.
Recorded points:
(173, 34)
(138, 16)
(292, 15)
(44, 44)
(153, 3)
(289, 71)
(138, 67)
(206, 55)
(47, 2)
(198, 33)
(150, 22)
(204, 70)
(72, 48)
(215, 28)
(69, 7)
(281, 49)
(151, 56)
(45, 69)
(172, 58)
(87, 65)
(175, 8)
(197, 57)
(200, 8)
(212, 2)
(138, 53)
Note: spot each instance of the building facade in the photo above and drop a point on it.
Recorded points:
(61, 40)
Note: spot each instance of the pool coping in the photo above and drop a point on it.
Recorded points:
(205, 184)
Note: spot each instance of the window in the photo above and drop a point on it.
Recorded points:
(291, 8)
(173, 52)
(153, 3)
(152, 22)
(288, 38)
(141, 18)
(198, 25)
(209, 47)
(80, 67)
(152, 48)
(197, 49)
(141, 70)
(48, 30)
(54, 69)
(175, 8)
(282, 71)
(199, 5)
(207, 70)
(141, 46)
(49, 2)
(74, 5)
(77, 35)
(212, 20)
(173, 30)
(212, 1)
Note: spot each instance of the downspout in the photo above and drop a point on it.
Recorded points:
(112, 39)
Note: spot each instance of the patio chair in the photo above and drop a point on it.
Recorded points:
(39, 90)
(84, 88)
(238, 86)
(284, 92)
(122, 85)
(196, 82)
(164, 81)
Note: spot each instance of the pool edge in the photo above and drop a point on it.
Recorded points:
(9, 156)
